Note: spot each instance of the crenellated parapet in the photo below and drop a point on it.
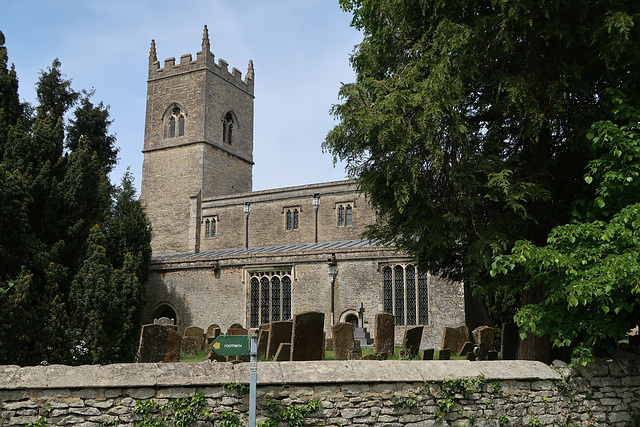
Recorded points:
(205, 59)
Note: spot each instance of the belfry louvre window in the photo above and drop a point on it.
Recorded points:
(270, 296)
(210, 228)
(227, 128)
(175, 123)
(404, 296)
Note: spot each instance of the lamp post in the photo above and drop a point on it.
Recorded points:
(247, 211)
(333, 271)
(316, 205)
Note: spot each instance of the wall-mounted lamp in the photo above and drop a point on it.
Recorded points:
(316, 205)
(247, 211)
(332, 263)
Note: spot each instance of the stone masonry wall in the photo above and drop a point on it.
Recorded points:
(350, 393)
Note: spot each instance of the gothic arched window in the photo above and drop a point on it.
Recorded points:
(210, 228)
(175, 123)
(227, 128)
(269, 296)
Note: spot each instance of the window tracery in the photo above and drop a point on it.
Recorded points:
(403, 296)
(175, 123)
(227, 128)
(269, 296)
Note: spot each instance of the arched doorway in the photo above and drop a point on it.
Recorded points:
(165, 310)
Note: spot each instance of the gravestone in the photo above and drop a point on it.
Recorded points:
(189, 346)
(279, 332)
(385, 333)
(342, 340)
(158, 344)
(283, 354)
(466, 349)
(356, 351)
(480, 351)
(196, 333)
(485, 335)
(237, 329)
(450, 339)
(463, 337)
(427, 354)
(509, 341)
(444, 354)
(307, 342)
(263, 339)
(213, 331)
(411, 341)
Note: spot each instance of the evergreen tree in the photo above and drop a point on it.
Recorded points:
(10, 108)
(467, 124)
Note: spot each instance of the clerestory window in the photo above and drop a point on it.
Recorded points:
(210, 228)
(292, 220)
(345, 215)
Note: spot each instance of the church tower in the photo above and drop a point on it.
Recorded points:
(198, 141)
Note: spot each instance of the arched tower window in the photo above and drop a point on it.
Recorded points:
(174, 123)
(227, 128)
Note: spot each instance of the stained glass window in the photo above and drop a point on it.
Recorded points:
(264, 303)
(296, 220)
(286, 298)
(269, 296)
(407, 300)
(275, 298)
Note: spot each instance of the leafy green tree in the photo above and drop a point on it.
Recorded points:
(466, 125)
(10, 108)
(591, 265)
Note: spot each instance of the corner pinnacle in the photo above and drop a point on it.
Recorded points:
(206, 46)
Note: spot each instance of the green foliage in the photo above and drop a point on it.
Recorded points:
(450, 390)
(50, 200)
(467, 122)
(409, 401)
(591, 266)
(229, 419)
(534, 422)
(240, 388)
(181, 412)
(292, 415)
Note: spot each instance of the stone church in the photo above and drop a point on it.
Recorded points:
(226, 254)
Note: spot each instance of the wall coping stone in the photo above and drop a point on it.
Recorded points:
(315, 372)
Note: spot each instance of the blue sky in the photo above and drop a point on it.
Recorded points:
(300, 51)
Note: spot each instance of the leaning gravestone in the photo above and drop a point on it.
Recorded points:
(197, 334)
(466, 349)
(279, 332)
(411, 342)
(158, 344)
(509, 341)
(385, 333)
(342, 340)
(450, 339)
(263, 339)
(283, 354)
(463, 337)
(485, 335)
(307, 334)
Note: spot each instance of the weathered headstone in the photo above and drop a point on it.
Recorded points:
(189, 346)
(156, 341)
(237, 329)
(450, 339)
(213, 331)
(172, 349)
(263, 339)
(385, 333)
(163, 321)
(307, 341)
(467, 348)
(463, 337)
(485, 335)
(411, 341)
(444, 354)
(279, 332)
(196, 333)
(427, 354)
(342, 340)
(509, 341)
(356, 351)
(283, 354)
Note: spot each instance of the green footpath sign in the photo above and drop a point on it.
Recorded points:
(231, 345)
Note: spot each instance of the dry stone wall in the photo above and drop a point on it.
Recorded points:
(350, 393)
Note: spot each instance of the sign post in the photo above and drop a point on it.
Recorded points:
(242, 345)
